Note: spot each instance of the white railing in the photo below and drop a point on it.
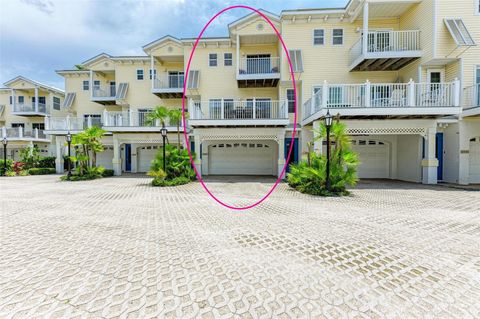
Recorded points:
(64, 123)
(259, 66)
(134, 118)
(29, 108)
(21, 133)
(383, 95)
(169, 81)
(471, 96)
(220, 109)
(387, 41)
(107, 92)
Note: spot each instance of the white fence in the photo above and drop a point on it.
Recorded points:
(267, 65)
(471, 96)
(134, 118)
(387, 41)
(64, 123)
(104, 92)
(169, 81)
(30, 108)
(223, 109)
(21, 133)
(383, 95)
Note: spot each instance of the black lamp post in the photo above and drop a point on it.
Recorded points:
(164, 133)
(5, 142)
(69, 141)
(328, 125)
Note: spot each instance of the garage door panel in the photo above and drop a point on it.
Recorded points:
(105, 158)
(145, 155)
(374, 158)
(474, 162)
(241, 159)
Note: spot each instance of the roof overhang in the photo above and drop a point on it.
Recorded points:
(150, 46)
(254, 15)
(34, 83)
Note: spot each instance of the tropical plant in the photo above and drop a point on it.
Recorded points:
(178, 167)
(9, 166)
(30, 156)
(160, 113)
(86, 145)
(41, 171)
(175, 116)
(310, 176)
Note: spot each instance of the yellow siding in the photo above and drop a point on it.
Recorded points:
(250, 27)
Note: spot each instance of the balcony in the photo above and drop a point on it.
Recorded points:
(62, 125)
(471, 100)
(30, 110)
(20, 134)
(104, 94)
(135, 121)
(385, 51)
(222, 112)
(384, 100)
(258, 72)
(169, 86)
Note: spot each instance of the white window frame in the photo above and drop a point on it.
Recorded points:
(477, 7)
(323, 37)
(142, 74)
(441, 71)
(23, 99)
(210, 59)
(154, 73)
(59, 103)
(286, 97)
(231, 59)
(343, 37)
(87, 82)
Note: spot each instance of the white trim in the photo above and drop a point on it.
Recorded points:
(343, 37)
(231, 65)
(212, 66)
(286, 99)
(324, 37)
(477, 7)
(136, 74)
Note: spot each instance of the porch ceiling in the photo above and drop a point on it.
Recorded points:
(385, 9)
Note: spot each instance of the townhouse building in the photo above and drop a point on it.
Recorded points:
(24, 104)
(403, 75)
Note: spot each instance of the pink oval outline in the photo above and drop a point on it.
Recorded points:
(279, 179)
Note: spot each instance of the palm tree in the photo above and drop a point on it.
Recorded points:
(175, 116)
(160, 113)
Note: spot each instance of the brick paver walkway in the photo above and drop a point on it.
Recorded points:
(119, 248)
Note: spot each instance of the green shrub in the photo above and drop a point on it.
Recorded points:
(9, 166)
(47, 162)
(30, 156)
(41, 171)
(310, 176)
(108, 173)
(86, 175)
(182, 180)
(10, 173)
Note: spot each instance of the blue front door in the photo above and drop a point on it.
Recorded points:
(128, 157)
(294, 156)
(439, 155)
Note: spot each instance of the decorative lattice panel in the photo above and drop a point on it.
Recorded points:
(388, 131)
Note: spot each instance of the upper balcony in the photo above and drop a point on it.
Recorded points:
(135, 121)
(258, 71)
(384, 100)
(228, 112)
(168, 86)
(104, 94)
(385, 50)
(20, 134)
(38, 109)
(63, 125)
(471, 100)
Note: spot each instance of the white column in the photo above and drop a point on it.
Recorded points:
(47, 123)
(222, 110)
(130, 113)
(36, 98)
(20, 132)
(89, 121)
(238, 54)
(117, 159)
(430, 162)
(14, 99)
(151, 71)
(59, 143)
(254, 111)
(281, 154)
(325, 93)
(134, 158)
(464, 154)
(368, 97)
(365, 28)
(36, 133)
(411, 93)
(317, 141)
(4, 132)
(198, 161)
(456, 92)
(106, 120)
(91, 84)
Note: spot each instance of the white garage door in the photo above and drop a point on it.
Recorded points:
(237, 158)
(105, 158)
(474, 166)
(145, 156)
(374, 158)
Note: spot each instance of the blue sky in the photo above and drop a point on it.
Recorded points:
(40, 36)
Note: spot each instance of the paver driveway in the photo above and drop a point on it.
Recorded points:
(117, 247)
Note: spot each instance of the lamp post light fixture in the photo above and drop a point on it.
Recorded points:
(328, 124)
(164, 133)
(5, 142)
(69, 165)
